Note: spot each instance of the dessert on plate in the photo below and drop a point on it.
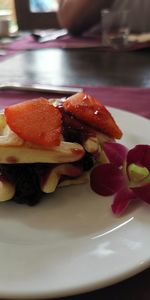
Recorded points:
(49, 143)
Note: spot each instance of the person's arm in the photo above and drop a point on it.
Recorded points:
(79, 15)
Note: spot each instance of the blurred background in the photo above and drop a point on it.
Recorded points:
(28, 14)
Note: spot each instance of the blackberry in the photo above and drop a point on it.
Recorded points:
(27, 185)
(72, 135)
(87, 162)
(26, 179)
(5, 173)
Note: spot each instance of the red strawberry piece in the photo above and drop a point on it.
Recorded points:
(36, 121)
(91, 111)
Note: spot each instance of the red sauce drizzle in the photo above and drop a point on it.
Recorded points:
(12, 160)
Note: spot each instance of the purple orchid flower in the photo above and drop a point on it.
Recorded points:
(125, 174)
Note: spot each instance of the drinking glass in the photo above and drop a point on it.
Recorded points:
(115, 28)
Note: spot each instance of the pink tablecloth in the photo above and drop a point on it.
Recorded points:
(136, 100)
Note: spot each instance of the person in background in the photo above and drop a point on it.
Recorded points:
(80, 15)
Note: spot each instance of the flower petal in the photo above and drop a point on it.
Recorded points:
(140, 154)
(106, 179)
(122, 200)
(142, 192)
(115, 152)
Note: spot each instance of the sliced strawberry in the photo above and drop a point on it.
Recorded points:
(92, 112)
(36, 121)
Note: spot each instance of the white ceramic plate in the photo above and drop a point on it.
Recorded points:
(71, 242)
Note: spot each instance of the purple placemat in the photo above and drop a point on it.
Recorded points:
(136, 100)
(85, 41)
(27, 42)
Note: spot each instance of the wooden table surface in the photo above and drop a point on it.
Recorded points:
(94, 68)
(79, 67)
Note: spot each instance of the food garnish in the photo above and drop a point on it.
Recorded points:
(126, 175)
